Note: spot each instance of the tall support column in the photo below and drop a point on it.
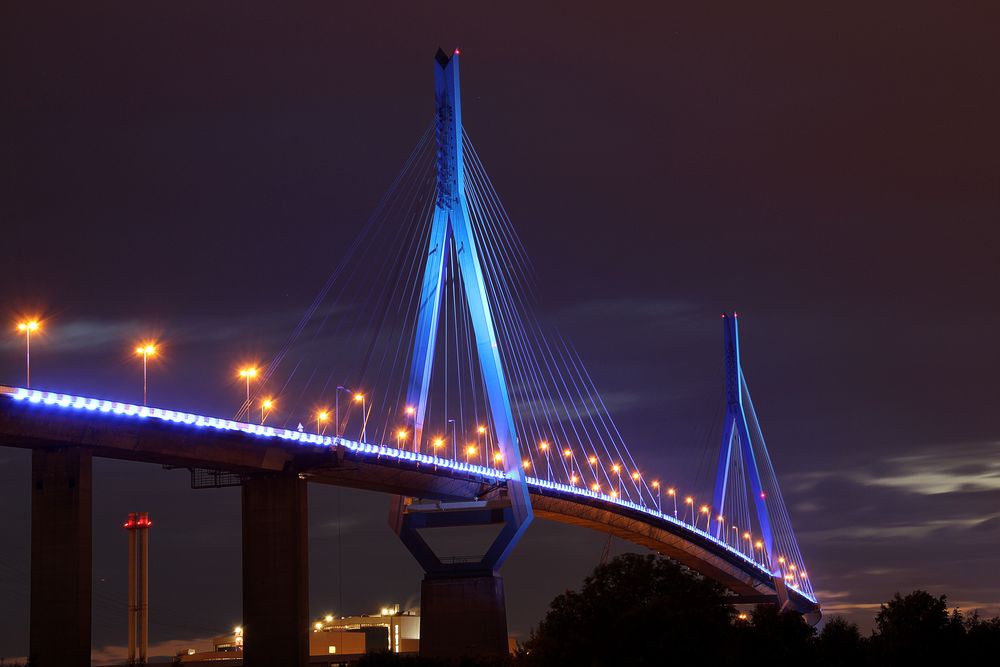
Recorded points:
(275, 572)
(61, 506)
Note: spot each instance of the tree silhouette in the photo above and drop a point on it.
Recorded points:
(840, 644)
(635, 610)
(916, 628)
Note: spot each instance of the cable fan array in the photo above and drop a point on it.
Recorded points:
(345, 368)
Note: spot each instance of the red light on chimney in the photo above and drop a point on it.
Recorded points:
(457, 52)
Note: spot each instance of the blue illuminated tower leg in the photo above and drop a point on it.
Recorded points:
(736, 424)
(722, 473)
(427, 320)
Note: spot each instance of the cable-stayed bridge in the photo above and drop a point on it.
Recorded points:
(422, 369)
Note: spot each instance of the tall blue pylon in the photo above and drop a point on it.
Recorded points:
(451, 231)
(735, 429)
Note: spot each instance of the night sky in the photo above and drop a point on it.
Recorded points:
(193, 172)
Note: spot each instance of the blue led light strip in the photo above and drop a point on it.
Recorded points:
(49, 398)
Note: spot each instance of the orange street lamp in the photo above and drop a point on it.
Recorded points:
(400, 436)
(360, 398)
(145, 351)
(412, 413)
(673, 494)
(248, 374)
(469, 451)
(265, 408)
(26, 328)
(568, 455)
(322, 417)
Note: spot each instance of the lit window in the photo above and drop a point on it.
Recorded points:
(331, 649)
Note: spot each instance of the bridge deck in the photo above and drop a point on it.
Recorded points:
(37, 419)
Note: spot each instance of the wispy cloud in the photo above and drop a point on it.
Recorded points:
(967, 467)
(909, 530)
(79, 335)
(948, 468)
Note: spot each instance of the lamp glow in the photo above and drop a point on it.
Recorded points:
(26, 328)
(145, 351)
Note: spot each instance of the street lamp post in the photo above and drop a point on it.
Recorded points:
(26, 328)
(480, 431)
(265, 408)
(412, 412)
(656, 485)
(340, 388)
(454, 438)
(360, 398)
(146, 351)
(548, 465)
(322, 417)
(247, 374)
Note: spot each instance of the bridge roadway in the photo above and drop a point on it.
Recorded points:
(46, 421)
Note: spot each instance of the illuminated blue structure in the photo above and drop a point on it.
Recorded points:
(540, 439)
(451, 231)
(742, 452)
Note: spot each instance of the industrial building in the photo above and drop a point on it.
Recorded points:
(333, 640)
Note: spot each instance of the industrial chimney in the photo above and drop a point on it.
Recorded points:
(138, 586)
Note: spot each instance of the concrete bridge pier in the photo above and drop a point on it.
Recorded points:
(61, 509)
(275, 572)
(462, 613)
